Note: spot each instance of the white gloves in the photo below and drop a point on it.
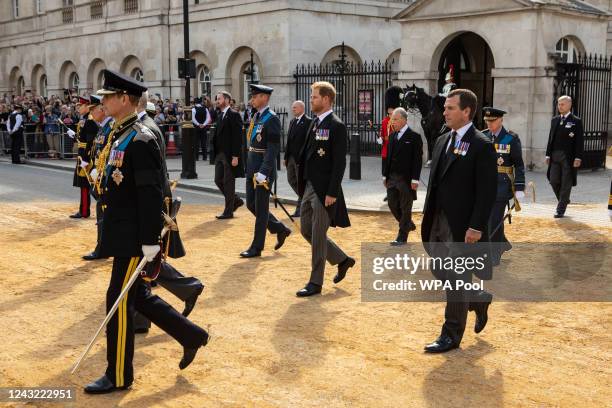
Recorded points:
(610, 214)
(379, 140)
(71, 133)
(84, 164)
(149, 251)
(260, 177)
(519, 194)
(94, 173)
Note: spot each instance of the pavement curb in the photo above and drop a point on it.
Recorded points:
(205, 189)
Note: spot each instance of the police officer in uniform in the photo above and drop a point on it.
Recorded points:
(15, 129)
(133, 195)
(263, 137)
(510, 176)
(87, 130)
(201, 119)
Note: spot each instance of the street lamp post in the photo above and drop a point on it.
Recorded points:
(188, 131)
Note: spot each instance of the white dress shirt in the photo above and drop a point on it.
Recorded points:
(207, 120)
(18, 120)
(324, 115)
(460, 133)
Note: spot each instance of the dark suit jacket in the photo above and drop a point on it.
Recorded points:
(322, 162)
(229, 134)
(296, 136)
(409, 151)
(161, 142)
(572, 134)
(87, 134)
(466, 190)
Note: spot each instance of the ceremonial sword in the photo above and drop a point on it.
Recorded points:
(273, 195)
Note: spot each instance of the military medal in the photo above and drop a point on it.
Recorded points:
(321, 152)
(500, 161)
(571, 134)
(258, 138)
(117, 176)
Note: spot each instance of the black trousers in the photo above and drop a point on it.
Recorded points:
(499, 239)
(458, 302)
(120, 328)
(16, 143)
(258, 203)
(399, 198)
(561, 178)
(183, 287)
(226, 182)
(203, 142)
(99, 222)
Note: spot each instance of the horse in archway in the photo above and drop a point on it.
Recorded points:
(431, 109)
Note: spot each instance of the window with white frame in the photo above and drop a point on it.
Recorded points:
(205, 80)
(73, 82)
(15, 8)
(137, 74)
(566, 48)
(39, 7)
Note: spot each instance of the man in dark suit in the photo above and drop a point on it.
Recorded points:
(295, 140)
(322, 162)
(461, 192)
(264, 145)
(402, 172)
(227, 142)
(564, 153)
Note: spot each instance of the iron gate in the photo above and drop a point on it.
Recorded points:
(588, 80)
(360, 94)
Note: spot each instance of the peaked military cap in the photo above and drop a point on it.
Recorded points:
(491, 113)
(83, 100)
(115, 82)
(94, 100)
(260, 89)
(150, 107)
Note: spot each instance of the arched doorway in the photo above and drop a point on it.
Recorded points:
(470, 59)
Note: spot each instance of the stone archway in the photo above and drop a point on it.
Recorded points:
(14, 79)
(201, 85)
(237, 70)
(38, 80)
(132, 67)
(95, 76)
(334, 55)
(68, 76)
(472, 61)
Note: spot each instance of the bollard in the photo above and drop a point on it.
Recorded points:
(355, 160)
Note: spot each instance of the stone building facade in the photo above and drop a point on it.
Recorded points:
(505, 50)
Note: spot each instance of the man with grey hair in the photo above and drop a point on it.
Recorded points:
(402, 172)
(298, 128)
(564, 153)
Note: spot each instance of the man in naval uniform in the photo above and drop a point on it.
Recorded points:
(263, 137)
(510, 176)
(133, 195)
(87, 130)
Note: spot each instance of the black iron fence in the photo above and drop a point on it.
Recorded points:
(360, 99)
(588, 81)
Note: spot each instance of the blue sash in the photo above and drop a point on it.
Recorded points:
(262, 121)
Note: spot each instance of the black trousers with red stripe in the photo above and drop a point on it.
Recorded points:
(85, 201)
(120, 329)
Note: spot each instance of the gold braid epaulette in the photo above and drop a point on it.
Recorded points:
(102, 159)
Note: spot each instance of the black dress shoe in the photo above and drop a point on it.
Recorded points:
(190, 353)
(91, 256)
(250, 253)
(224, 216)
(309, 290)
(441, 345)
(398, 243)
(103, 386)
(401, 239)
(76, 215)
(238, 203)
(280, 238)
(141, 330)
(481, 309)
(559, 215)
(342, 268)
(190, 303)
(296, 213)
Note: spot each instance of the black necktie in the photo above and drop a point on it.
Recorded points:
(315, 125)
(451, 148)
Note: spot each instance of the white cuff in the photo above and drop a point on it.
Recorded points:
(415, 181)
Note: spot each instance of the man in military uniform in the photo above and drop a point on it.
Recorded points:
(263, 137)
(15, 130)
(510, 176)
(87, 130)
(321, 168)
(98, 156)
(133, 195)
(564, 153)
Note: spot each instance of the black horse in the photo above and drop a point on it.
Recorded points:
(431, 109)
